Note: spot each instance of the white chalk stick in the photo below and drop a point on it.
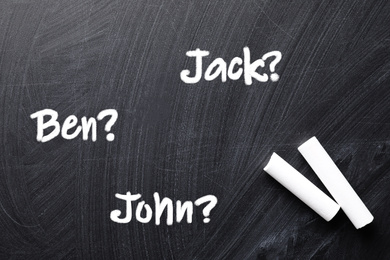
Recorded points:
(301, 187)
(336, 183)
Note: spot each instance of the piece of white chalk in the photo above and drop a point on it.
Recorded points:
(301, 187)
(335, 182)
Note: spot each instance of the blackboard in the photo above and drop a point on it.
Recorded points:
(184, 141)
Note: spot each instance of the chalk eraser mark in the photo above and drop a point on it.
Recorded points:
(336, 183)
(301, 187)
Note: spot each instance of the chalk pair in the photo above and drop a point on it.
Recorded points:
(330, 176)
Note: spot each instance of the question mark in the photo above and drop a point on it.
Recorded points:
(114, 116)
(206, 211)
(278, 57)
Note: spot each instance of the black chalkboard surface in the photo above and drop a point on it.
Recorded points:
(183, 140)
